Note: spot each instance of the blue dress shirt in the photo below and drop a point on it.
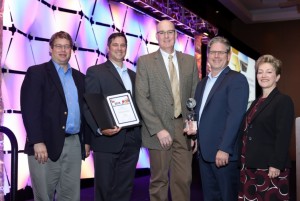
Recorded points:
(123, 72)
(71, 95)
(208, 86)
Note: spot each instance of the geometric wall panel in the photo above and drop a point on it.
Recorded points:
(133, 48)
(84, 60)
(67, 4)
(19, 55)
(14, 122)
(185, 43)
(151, 47)
(86, 170)
(147, 27)
(44, 23)
(23, 171)
(101, 34)
(7, 35)
(86, 38)
(102, 13)
(132, 22)
(7, 15)
(70, 24)
(11, 85)
(19, 9)
(118, 12)
(27, 28)
(190, 46)
(40, 51)
(87, 7)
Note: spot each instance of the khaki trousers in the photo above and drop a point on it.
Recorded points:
(174, 167)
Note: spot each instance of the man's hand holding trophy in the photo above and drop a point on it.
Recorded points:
(190, 127)
(190, 122)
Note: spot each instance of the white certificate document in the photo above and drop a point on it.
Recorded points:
(123, 110)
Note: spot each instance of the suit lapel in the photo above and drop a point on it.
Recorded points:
(132, 78)
(217, 84)
(111, 68)
(200, 94)
(263, 104)
(75, 78)
(180, 60)
(79, 86)
(161, 68)
(51, 70)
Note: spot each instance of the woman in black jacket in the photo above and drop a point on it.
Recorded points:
(266, 132)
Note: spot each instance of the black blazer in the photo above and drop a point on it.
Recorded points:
(44, 108)
(104, 79)
(269, 132)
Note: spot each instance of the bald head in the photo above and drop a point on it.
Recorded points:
(166, 35)
(165, 23)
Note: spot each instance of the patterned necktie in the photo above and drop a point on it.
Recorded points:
(175, 87)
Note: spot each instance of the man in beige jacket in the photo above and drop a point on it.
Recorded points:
(161, 95)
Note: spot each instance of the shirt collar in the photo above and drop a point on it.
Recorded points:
(118, 68)
(210, 76)
(165, 54)
(58, 67)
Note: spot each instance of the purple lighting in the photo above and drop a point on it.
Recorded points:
(27, 28)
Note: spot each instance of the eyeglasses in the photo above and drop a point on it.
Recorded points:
(221, 53)
(60, 47)
(169, 32)
(122, 45)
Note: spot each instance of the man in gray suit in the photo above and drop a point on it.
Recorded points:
(165, 80)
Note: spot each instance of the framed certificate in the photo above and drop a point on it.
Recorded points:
(123, 109)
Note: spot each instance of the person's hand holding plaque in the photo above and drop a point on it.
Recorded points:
(111, 132)
(190, 122)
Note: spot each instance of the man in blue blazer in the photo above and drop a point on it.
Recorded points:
(222, 99)
(51, 104)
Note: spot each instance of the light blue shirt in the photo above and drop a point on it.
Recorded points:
(123, 72)
(209, 85)
(71, 95)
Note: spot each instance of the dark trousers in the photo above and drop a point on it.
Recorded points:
(114, 172)
(219, 184)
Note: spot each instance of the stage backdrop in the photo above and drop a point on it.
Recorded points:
(27, 27)
(1, 109)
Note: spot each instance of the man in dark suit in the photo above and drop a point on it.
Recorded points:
(221, 99)
(51, 100)
(116, 150)
(166, 79)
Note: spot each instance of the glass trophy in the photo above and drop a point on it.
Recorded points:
(191, 123)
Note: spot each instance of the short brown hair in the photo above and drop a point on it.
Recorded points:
(60, 34)
(115, 35)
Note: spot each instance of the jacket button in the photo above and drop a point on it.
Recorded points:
(63, 127)
(65, 113)
(250, 138)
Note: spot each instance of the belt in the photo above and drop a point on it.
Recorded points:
(179, 116)
(69, 134)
